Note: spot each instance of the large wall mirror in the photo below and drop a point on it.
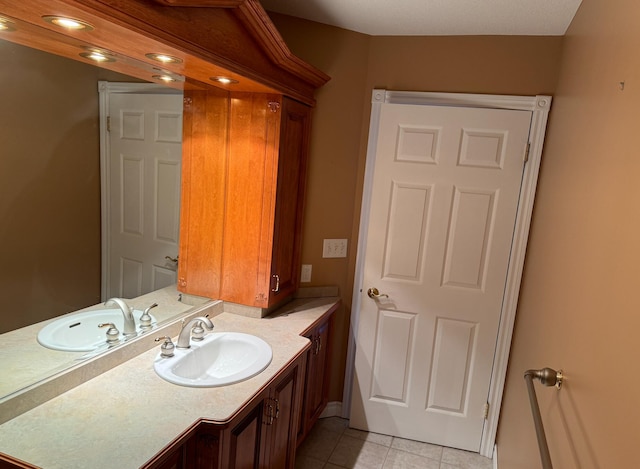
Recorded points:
(50, 235)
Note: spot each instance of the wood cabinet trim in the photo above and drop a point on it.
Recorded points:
(230, 38)
(257, 21)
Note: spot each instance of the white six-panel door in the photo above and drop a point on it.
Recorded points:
(443, 207)
(145, 148)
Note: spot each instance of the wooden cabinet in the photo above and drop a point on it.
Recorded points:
(242, 204)
(260, 436)
(244, 439)
(202, 449)
(316, 392)
(282, 407)
(268, 139)
(265, 434)
(295, 127)
(197, 448)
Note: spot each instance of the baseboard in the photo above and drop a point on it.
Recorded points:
(495, 456)
(333, 409)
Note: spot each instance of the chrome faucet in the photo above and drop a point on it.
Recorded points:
(129, 323)
(184, 339)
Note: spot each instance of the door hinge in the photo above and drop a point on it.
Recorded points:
(108, 123)
(526, 152)
(485, 411)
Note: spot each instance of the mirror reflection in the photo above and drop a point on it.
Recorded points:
(50, 234)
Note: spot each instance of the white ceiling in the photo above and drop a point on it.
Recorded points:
(436, 17)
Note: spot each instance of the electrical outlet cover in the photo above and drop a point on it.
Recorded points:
(305, 274)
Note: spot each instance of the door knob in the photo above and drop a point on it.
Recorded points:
(374, 293)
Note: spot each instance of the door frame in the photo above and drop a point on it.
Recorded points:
(539, 106)
(105, 90)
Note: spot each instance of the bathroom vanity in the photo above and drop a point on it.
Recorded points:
(247, 111)
(129, 417)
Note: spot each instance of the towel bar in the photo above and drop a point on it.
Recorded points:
(548, 377)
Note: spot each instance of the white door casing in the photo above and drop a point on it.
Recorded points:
(449, 284)
(140, 166)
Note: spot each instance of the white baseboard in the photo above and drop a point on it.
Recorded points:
(333, 409)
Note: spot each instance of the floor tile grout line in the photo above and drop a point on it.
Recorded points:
(340, 431)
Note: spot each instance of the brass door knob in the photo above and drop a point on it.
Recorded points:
(375, 294)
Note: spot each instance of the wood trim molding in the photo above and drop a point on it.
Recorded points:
(254, 17)
(231, 38)
(7, 462)
(258, 23)
(202, 3)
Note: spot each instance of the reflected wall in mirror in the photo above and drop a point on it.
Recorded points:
(49, 184)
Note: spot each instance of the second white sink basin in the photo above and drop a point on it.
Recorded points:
(220, 359)
(79, 332)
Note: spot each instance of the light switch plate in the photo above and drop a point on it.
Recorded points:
(334, 248)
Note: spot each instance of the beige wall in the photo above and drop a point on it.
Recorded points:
(332, 192)
(49, 185)
(357, 64)
(579, 309)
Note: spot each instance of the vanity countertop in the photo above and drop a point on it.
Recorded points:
(37, 362)
(123, 417)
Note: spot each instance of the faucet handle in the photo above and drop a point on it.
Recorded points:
(197, 332)
(167, 348)
(146, 319)
(113, 334)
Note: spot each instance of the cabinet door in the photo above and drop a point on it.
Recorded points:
(266, 176)
(251, 177)
(317, 395)
(204, 151)
(245, 440)
(292, 168)
(203, 448)
(316, 390)
(284, 403)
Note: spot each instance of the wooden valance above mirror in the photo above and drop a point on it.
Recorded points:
(229, 38)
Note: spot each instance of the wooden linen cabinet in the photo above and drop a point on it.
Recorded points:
(244, 160)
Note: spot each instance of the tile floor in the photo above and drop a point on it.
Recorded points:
(331, 444)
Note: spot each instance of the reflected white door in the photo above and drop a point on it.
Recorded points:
(145, 149)
(444, 201)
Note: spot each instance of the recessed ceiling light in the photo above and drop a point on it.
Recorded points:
(164, 58)
(6, 25)
(68, 23)
(98, 56)
(165, 78)
(224, 80)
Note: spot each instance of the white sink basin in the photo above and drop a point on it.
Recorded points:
(80, 332)
(221, 358)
